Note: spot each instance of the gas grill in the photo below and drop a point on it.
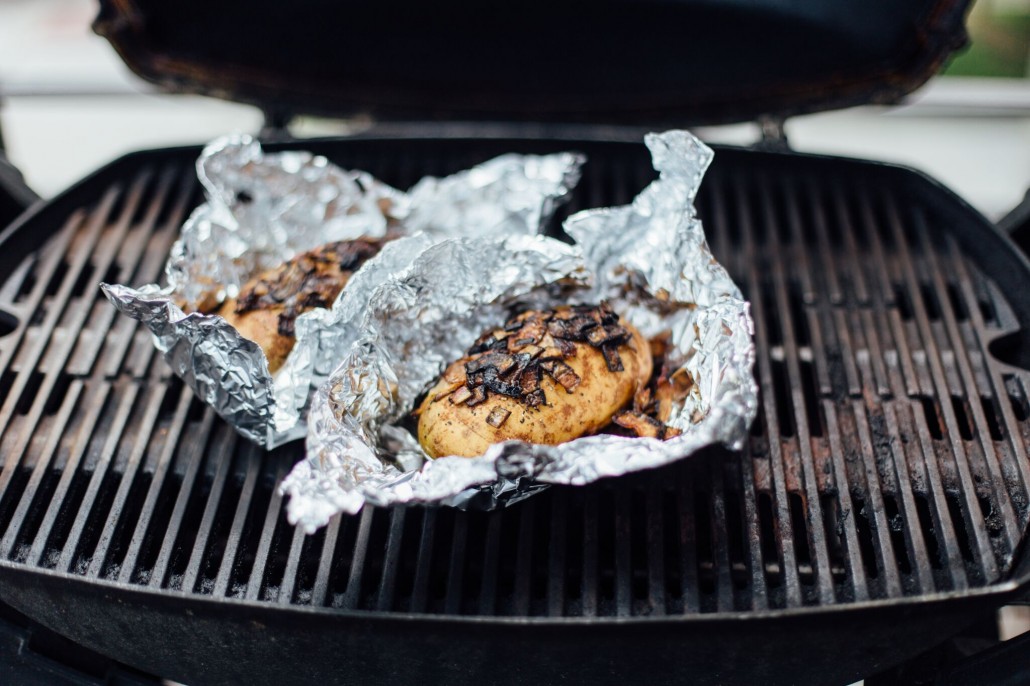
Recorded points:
(879, 507)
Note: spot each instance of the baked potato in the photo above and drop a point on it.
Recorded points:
(268, 305)
(544, 377)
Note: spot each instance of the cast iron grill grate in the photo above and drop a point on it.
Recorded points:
(889, 457)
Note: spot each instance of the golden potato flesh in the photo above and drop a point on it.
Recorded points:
(269, 304)
(540, 379)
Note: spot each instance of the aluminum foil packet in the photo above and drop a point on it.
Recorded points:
(261, 209)
(649, 260)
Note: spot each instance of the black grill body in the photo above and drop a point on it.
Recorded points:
(878, 507)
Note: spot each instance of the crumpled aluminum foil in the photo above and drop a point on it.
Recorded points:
(261, 210)
(649, 259)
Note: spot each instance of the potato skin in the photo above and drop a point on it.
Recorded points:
(448, 428)
(262, 327)
(270, 302)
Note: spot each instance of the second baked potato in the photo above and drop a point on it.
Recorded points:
(545, 377)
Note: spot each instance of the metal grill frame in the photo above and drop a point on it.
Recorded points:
(41, 592)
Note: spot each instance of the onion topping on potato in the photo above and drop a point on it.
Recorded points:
(652, 404)
(307, 281)
(512, 360)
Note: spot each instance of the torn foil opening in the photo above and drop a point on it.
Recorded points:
(648, 260)
(263, 208)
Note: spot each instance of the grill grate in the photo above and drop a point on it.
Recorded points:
(889, 457)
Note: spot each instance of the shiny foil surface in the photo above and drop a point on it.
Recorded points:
(261, 209)
(649, 260)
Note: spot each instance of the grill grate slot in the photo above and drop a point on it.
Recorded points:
(888, 459)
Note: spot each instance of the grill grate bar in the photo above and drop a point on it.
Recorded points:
(126, 481)
(655, 552)
(491, 559)
(62, 350)
(424, 562)
(867, 328)
(293, 561)
(556, 592)
(73, 329)
(873, 488)
(44, 268)
(47, 269)
(864, 331)
(357, 566)
(387, 583)
(141, 249)
(523, 560)
(907, 385)
(186, 486)
(791, 354)
(956, 265)
(157, 244)
(320, 589)
(456, 566)
(24, 375)
(719, 520)
(251, 456)
(589, 585)
(784, 533)
(225, 447)
(623, 566)
(859, 580)
(85, 510)
(889, 305)
(847, 352)
(720, 548)
(942, 520)
(977, 525)
(156, 483)
(855, 270)
(42, 465)
(272, 515)
(983, 432)
(834, 292)
(940, 514)
(913, 532)
(756, 567)
(688, 549)
(95, 404)
(735, 259)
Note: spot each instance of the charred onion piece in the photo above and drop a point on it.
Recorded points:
(461, 395)
(497, 417)
(511, 360)
(478, 396)
(307, 281)
(644, 425)
(652, 403)
(562, 373)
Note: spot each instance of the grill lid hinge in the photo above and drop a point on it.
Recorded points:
(276, 125)
(773, 134)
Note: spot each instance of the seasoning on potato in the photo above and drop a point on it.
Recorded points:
(544, 377)
(268, 305)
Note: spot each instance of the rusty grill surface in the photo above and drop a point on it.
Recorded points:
(889, 457)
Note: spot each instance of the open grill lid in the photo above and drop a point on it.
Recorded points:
(660, 62)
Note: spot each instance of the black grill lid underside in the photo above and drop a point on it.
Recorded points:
(889, 458)
(660, 62)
